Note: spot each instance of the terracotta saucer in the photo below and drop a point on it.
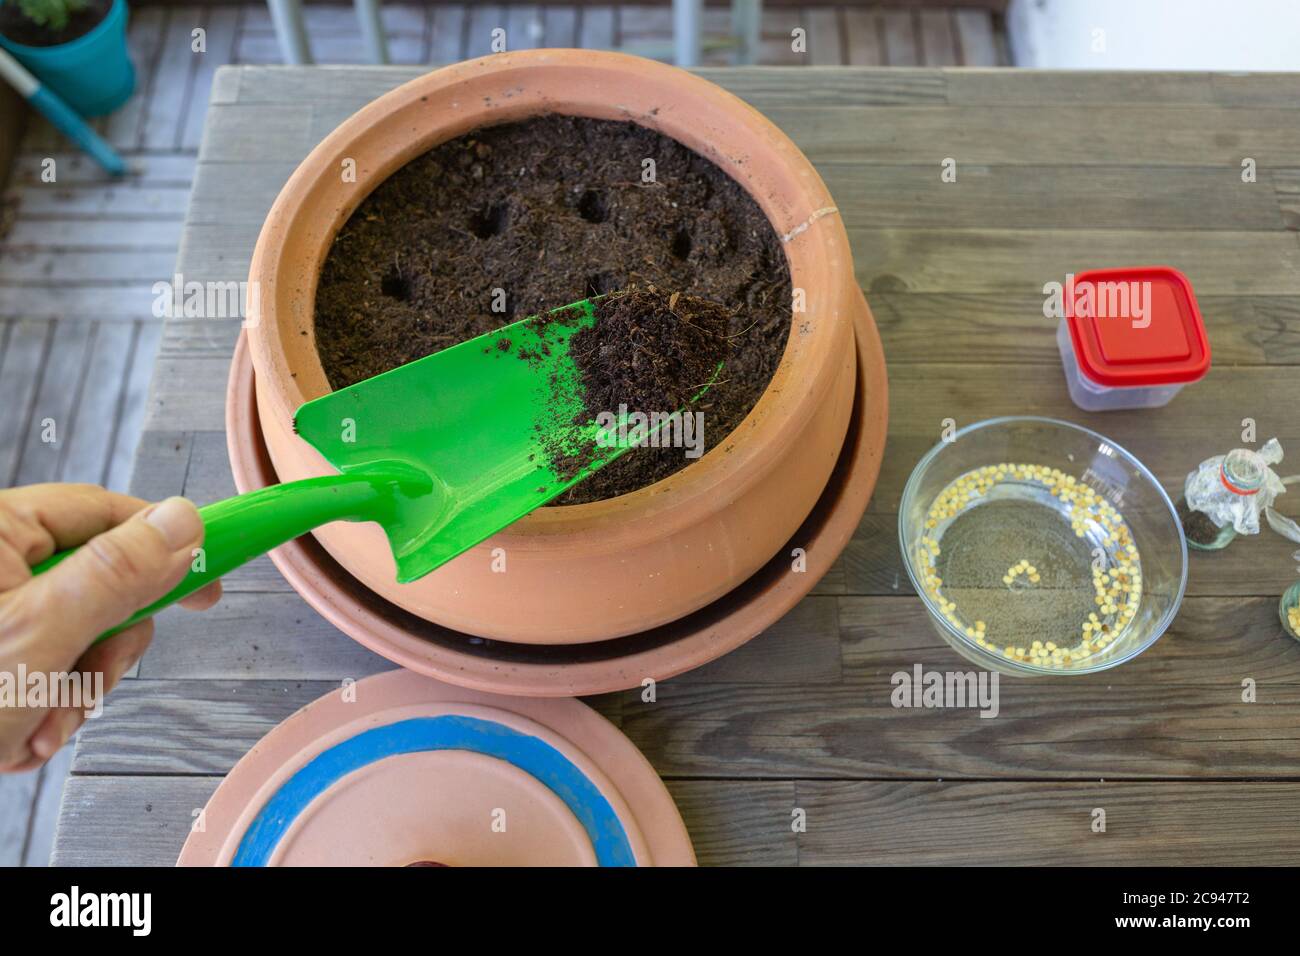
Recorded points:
(571, 670)
(401, 770)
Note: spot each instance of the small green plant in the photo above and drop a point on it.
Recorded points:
(53, 15)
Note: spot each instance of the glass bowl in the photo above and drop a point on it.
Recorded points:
(1290, 599)
(1062, 554)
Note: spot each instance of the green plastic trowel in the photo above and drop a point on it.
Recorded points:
(442, 452)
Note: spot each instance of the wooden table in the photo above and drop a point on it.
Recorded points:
(1055, 173)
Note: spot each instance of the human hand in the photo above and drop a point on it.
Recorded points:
(134, 553)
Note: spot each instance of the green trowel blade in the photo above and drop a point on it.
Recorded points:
(485, 420)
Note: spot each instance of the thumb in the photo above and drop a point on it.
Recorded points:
(106, 580)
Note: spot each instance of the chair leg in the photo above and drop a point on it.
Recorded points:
(746, 27)
(372, 30)
(290, 34)
(688, 19)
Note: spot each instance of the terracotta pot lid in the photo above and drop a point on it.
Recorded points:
(401, 770)
(573, 670)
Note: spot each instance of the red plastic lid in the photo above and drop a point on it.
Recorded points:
(1136, 327)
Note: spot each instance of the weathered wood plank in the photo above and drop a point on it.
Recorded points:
(862, 35)
(100, 303)
(124, 126)
(329, 48)
(221, 24)
(162, 459)
(56, 403)
(1049, 824)
(267, 131)
(1243, 330)
(257, 183)
(97, 267)
(325, 19)
(1039, 135)
(877, 196)
(1137, 135)
(901, 46)
(560, 26)
(144, 821)
(938, 42)
(345, 89)
(738, 823)
(1286, 187)
(95, 424)
(976, 37)
(256, 635)
(596, 27)
(17, 799)
(131, 411)
(447, 34)
(825, 36)
(1122, 88)
(128, 821)
(1045, 728)
(26, 344)
(91, 234)
(483, 19)
(1256, 89)
(174, 407)
(525, 28)
(1022, 260)
(164, 122)
(124, 200)
(147, 169)
(214, 723)
(882, 635)
(45, 808)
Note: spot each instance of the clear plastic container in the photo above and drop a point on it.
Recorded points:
(1130, 338)
(1092, 397)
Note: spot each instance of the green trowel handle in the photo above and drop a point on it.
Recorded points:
(241, 528)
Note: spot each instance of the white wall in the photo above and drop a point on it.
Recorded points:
(1155, 34)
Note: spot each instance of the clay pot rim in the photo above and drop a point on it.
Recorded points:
(853, 480)
(628, 773)
(811, 233)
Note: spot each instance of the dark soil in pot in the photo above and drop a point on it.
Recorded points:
(648, 350)
(16, 26)
(552, 210)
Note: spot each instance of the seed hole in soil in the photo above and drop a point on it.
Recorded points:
(395, 286)
(526, 180)
(681, 246)
(488, 221)
(592, 208)
(597, 285)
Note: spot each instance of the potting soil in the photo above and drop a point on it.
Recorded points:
(514, 220)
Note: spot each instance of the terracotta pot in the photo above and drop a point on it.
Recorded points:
(571, 670)
(596, 571)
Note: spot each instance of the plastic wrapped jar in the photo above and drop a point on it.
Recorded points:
(1130, 338)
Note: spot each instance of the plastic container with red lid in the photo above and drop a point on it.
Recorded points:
(1130, 338)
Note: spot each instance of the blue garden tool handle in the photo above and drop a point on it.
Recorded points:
(64, 117)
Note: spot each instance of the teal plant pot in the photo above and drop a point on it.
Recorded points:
(93, 73)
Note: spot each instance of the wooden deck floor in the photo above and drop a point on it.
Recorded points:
(77, 265)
